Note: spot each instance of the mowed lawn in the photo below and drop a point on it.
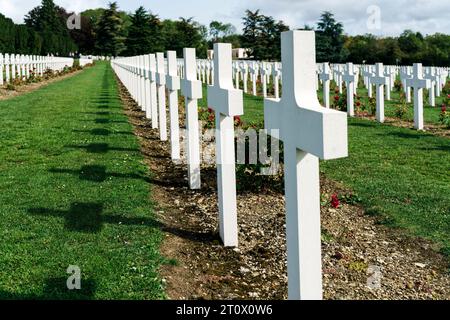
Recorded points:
(400, 174)
(74, 191)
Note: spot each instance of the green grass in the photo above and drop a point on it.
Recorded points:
(400, 174)
(74, 191)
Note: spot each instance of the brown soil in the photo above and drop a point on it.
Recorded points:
(435, 129)
(353, 243)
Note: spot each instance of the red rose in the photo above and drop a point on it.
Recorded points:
(335, 201)
(336, 98)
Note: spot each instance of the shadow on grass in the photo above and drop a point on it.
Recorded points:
(98, 174)
(89, 218)
(56, 289)
(102, 132)
(100, 148)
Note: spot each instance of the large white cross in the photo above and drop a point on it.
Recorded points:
(161, 83)
(227, 103)
(309, 132)
(350, 78)
(418, 83)
(173, 85)
(379, 80)
(191, 88)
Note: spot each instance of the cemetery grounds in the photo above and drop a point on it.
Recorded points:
(84, 178)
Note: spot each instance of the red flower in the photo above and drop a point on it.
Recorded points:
(211, 117)
(210, 110)
(335, 201)
(358, 103)
(443, 108)
(336, 98)
(237, 120)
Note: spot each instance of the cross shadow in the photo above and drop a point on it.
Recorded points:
(102, 132)
(98, 174)
(89, 218)
(56, 289)
(81, 217)
(100, 148)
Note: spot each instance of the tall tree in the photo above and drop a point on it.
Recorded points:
(262, 35)
(50, 22)
(139, 34)
(110, 32)
(218, 30)
(329, 38)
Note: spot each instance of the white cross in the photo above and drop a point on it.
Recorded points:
(173, 85)
(191, 88)
(431, 75)
(147, 91)
(244, 72)
(368, 74)
(153, 90)
(350, 78)
(276, 74)
(326, 77)
(1, 69)
(161, 84)
(309, 132)
(418, 83)
(227, 102)
(405, 73)
(254, 72)
(380, 81)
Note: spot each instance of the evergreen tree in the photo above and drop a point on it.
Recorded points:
(262, 36)
(139, 40)
(50, 22)
(329, 39)
(110, 32)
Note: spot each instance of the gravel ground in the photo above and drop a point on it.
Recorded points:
(361, 258)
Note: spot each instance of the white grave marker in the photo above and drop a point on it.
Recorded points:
(379, 80)
(309, 132)
(192, 91)
(418, 84)
(173, 85)
(326, 77)
(161, 83)
(227, 103)
(350, 78)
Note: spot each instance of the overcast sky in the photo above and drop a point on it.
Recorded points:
(358, 17)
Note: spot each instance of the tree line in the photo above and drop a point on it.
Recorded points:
(112, 32)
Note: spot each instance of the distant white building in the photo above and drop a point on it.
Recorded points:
(238, 53)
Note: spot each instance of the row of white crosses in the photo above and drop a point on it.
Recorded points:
(14, 66)
(308, 130)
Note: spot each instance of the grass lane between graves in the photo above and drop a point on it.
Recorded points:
(399, 173)
(74, 191)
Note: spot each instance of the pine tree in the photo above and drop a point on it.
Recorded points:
(109, 32)
(139, 34)
(49, 22)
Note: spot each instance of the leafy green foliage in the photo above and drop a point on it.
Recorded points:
(262, 35)
(110, 32)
